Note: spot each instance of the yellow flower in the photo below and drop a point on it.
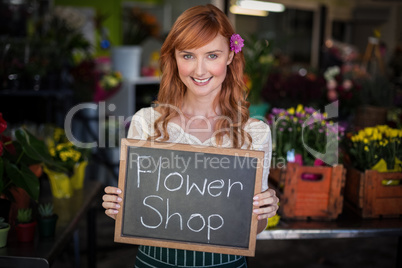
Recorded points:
(368, 131)
(291, 110)
(393, 133)
(366, 148)
(52, 151)
(299, 108)
(58, 133)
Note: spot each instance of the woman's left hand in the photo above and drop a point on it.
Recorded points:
(265, 204)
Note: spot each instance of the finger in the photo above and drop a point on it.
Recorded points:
(265, 210)
(268, 193)
(112, 190)
(266, 216)
(110, 205)
(111, 198)
(111, 213)
(267, 201)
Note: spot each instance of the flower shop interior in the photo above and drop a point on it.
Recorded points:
(326, 75)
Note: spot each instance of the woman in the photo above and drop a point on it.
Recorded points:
(201, 101)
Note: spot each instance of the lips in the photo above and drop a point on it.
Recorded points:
(201, 81)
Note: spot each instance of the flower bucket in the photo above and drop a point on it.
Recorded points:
(77, 180)
(127, 60)
(60, 183)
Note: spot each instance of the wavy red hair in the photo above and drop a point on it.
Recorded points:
(194, 28)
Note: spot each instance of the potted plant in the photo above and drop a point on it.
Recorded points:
(259, 61)
(47, 220)
(374, 175)
(17, 157)
(71, 161)
(25, 226)
(304, 166)
(4, 228)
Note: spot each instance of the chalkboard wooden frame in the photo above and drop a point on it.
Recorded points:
(246, 250)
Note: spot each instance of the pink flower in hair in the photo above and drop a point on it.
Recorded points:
(236, 43)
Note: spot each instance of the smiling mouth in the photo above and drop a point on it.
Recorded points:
(201, 80)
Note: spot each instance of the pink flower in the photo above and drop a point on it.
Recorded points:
(332, 84)
(347, 85)
(332, 95)
(236, 43)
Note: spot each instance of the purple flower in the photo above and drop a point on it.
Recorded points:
(276, 110)
(309, 110)
(236, 43)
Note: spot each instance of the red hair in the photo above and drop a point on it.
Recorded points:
(194, 28)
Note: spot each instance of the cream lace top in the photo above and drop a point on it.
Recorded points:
(142, 125)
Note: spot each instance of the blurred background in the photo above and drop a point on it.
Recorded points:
(93, 64)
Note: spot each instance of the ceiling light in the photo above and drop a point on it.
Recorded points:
(260, 5)
(245, 11)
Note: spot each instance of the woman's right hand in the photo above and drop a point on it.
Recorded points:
(111, 201)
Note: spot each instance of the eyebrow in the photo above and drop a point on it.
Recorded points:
(209, 52)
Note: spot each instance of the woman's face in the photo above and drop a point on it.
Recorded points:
(203, 70)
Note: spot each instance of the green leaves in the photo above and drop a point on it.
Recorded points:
(14, 168)
(24, 178)
(36, 149)
(33, 147)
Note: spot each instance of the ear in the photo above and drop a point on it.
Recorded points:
(230, 58)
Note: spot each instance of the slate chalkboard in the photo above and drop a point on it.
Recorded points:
(186, 197)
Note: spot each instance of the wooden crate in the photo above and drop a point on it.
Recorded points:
(277, 177)
(300, 198)
(369, 198)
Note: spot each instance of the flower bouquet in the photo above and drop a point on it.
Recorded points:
(108, 85)
(304, 166)
(378, 148)
(373, 186)
(73, 161)
(344, 84)
(304, 135)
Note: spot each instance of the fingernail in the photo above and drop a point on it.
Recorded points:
(255, 210)
(119, 199)
(117, 206)
(255, 197)
(115, 211)
(118, 191)
(255, 203)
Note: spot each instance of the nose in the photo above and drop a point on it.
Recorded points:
(200, 68)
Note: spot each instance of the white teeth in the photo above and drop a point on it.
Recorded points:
(201, 81)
